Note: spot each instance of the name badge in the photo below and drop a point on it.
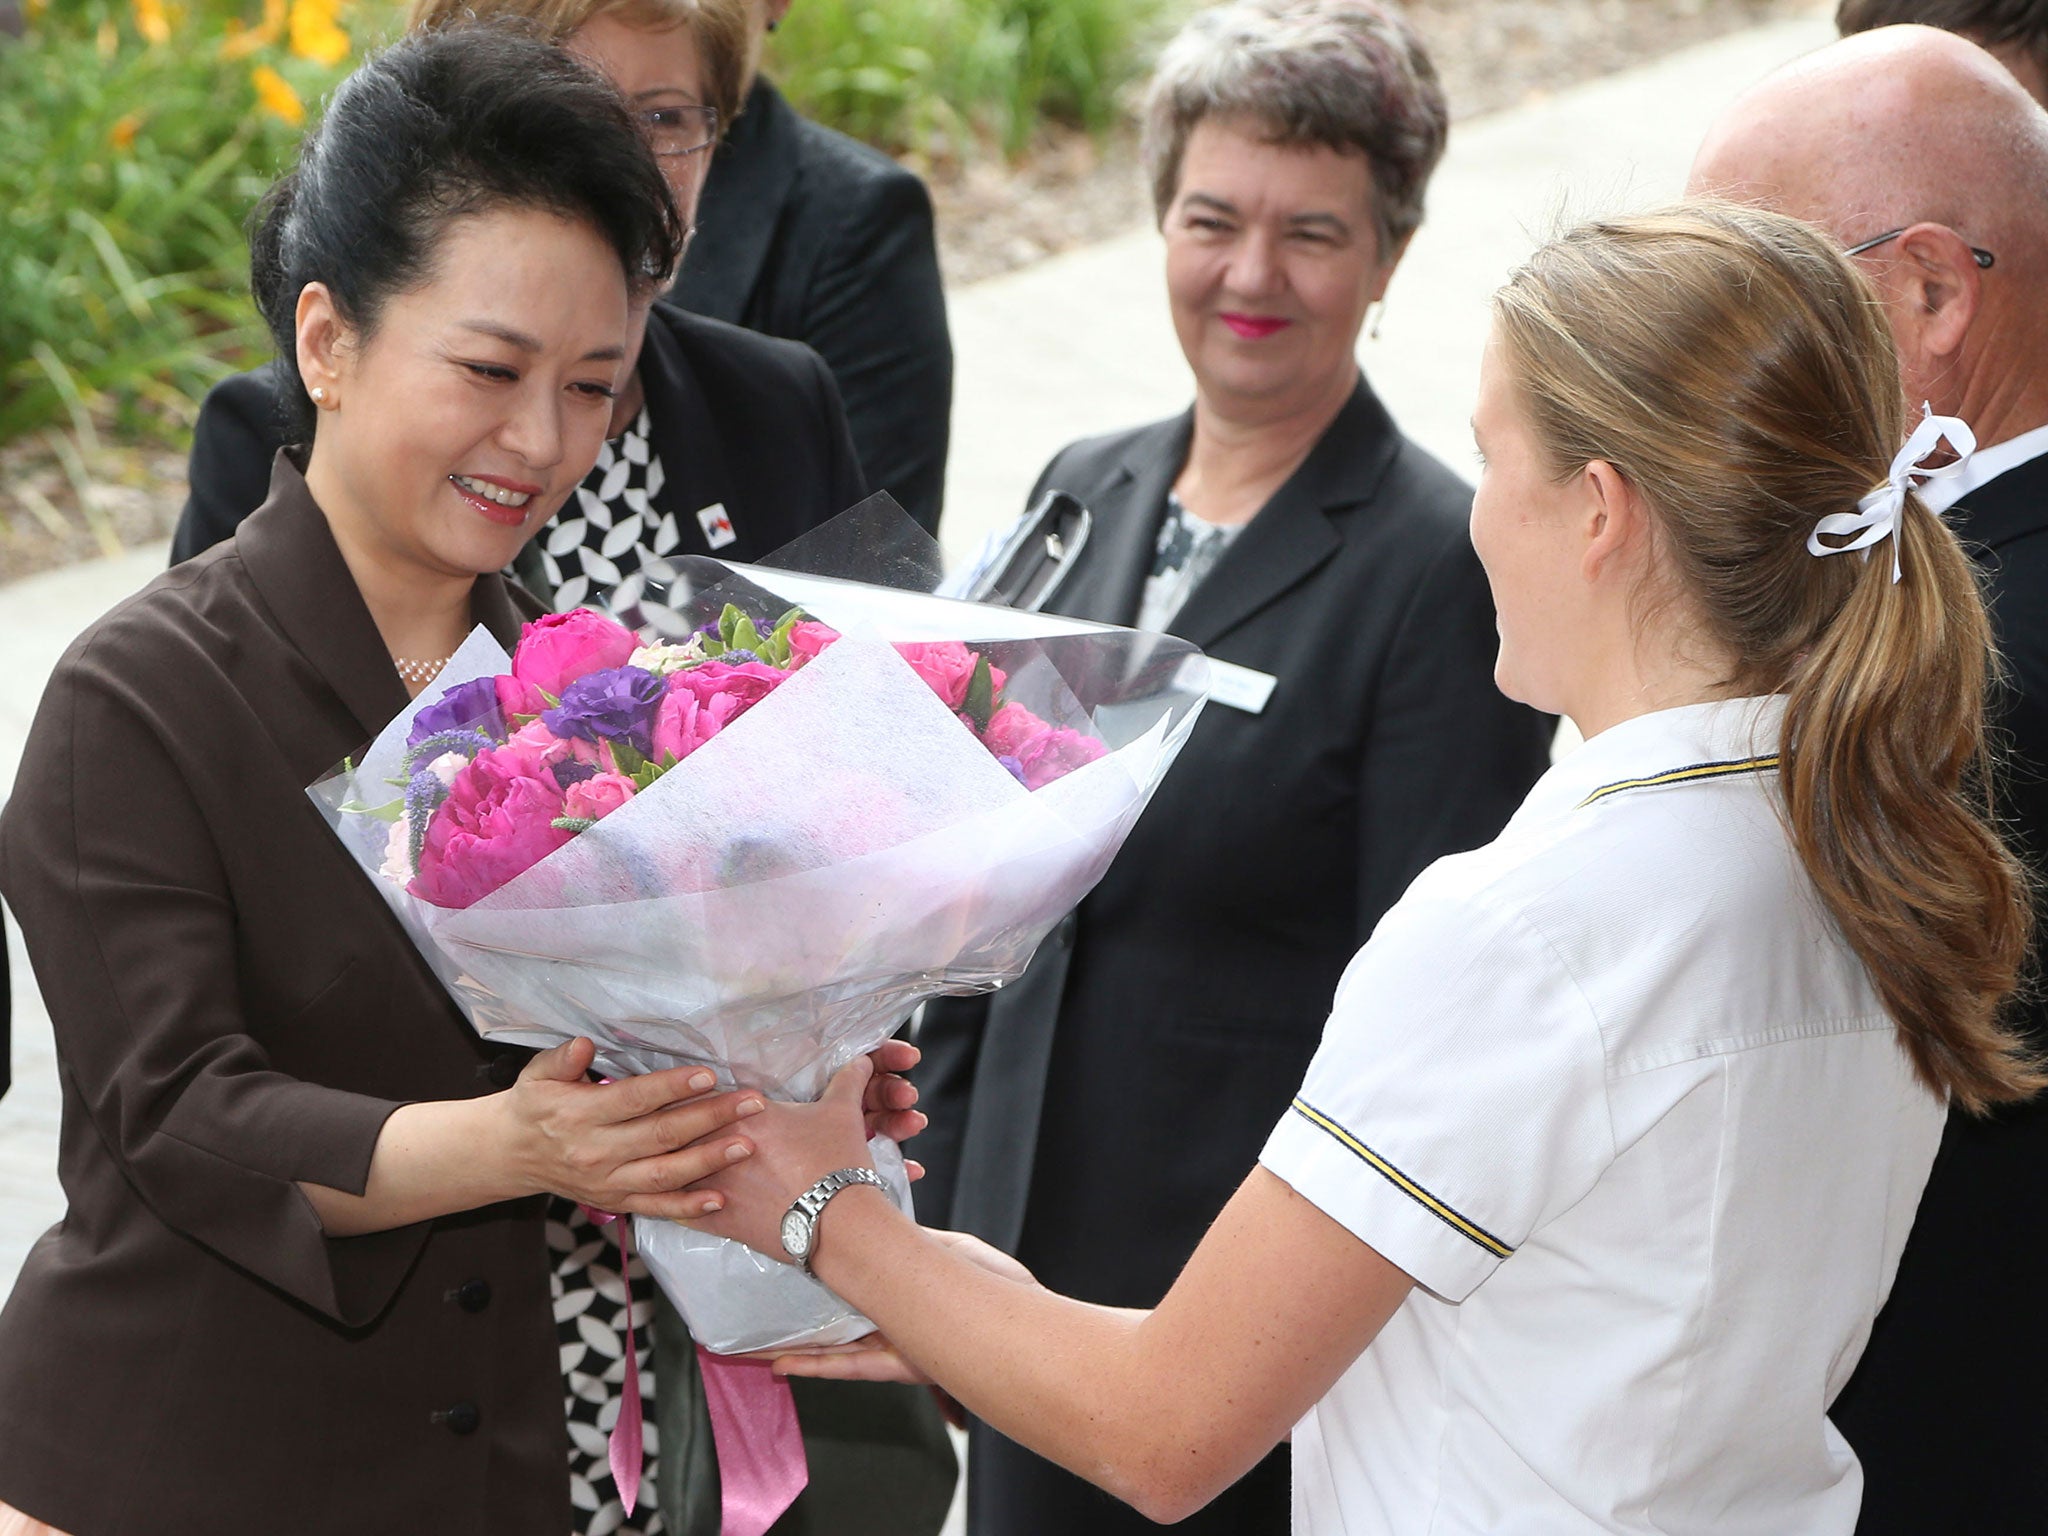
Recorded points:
(1240, 687)
(717, 525)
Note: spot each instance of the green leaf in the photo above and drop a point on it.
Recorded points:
(981, 695)
(625, 760)
(389, 812)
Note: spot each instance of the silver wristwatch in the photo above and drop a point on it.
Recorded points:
(800, 1224)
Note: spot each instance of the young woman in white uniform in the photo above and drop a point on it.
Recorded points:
(1584, 1210)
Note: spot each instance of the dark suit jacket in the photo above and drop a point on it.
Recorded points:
(1095, 1115)
(805, 233)
(737, 418)
(1948, 1409)
(236, 1010)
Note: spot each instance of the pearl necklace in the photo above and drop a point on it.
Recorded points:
(419, 673)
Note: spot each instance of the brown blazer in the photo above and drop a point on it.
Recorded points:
(186, 1353)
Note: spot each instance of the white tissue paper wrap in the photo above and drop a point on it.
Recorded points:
(779, 902)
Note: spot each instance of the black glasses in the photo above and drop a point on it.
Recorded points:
(1984, 257)
(679, 129)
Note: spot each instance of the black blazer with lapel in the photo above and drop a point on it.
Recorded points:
(236, 1010)
(806, 233)
(1095, 1115)
(738, 419)
(1948, 1411)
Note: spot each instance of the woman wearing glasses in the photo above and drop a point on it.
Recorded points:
(722, 441)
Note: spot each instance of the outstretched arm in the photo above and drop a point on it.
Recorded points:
(1165, 1408)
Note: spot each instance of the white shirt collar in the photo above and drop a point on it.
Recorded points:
(1724, 736)
(1986, 465)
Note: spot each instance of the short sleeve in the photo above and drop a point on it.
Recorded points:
(1458, 1099)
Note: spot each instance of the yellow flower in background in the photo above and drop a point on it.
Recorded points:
(122, 134)
(242, 41)
(108, 42)
(151, 22)
(36, 8)
(314, 33)
(275, 95)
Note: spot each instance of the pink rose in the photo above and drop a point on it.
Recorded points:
(1041, 752)
(558, 648)
(596, 798)
(516, 698)
(704, 700)
(749, 682)
(947, 667)
(684, 723)
(1010, 728)
(548, 749)
(497, 822)
(1055, 755)
(806, 639)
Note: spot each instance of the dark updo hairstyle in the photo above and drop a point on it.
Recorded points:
(448, 123)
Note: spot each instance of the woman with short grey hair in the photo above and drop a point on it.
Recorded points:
(1285, 526)
(1350, 77)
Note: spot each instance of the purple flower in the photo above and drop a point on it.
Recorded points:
(569, 771)
(462, 742)
(470, 706)
(1016, 768)
(617, 704)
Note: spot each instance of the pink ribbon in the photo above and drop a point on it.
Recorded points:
(627, 1445)
(761, 1464)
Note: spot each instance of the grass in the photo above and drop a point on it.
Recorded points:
(933, 77)
(138, 138)
(139, 134)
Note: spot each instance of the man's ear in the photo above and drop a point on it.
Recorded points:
(1940, 286)
(1612, 520)
(323, 339)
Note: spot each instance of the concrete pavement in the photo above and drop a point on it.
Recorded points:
(1075, 346)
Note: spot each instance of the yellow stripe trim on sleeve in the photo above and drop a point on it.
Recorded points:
(1684, 776)
(1401, 1181)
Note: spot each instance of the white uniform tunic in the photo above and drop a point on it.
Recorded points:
(1617, 1095)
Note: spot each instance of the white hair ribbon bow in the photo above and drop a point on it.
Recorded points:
(1877, 514)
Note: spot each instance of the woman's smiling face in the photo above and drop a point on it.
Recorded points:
(464, 419)
(1272, 259)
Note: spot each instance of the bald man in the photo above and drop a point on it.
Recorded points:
(1919, 152)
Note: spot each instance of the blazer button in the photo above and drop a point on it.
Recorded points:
(461, 1419)
(472, 1295)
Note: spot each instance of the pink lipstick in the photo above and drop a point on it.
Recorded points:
(1254, 327)
(502, 501)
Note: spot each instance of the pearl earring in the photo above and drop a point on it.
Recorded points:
(319, 396)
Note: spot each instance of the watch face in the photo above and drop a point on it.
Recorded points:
(796, 1235)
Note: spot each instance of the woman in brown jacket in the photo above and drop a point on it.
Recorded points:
(301, 1283)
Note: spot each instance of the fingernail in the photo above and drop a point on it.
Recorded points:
(702, 1081)
(713, 1204)
(751, 1107)
(736, 1151)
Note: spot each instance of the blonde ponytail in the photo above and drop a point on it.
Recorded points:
(1739, 372)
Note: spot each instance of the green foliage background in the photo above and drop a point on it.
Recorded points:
(132, 163)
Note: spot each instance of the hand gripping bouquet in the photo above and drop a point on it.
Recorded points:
(757, 829)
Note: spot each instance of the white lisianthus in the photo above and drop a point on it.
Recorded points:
(664, 659)
(397, 866)
(446, 766)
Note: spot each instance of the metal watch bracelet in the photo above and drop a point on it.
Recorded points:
(800, 1222)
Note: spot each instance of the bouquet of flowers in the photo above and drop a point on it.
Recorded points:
(754, 835)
